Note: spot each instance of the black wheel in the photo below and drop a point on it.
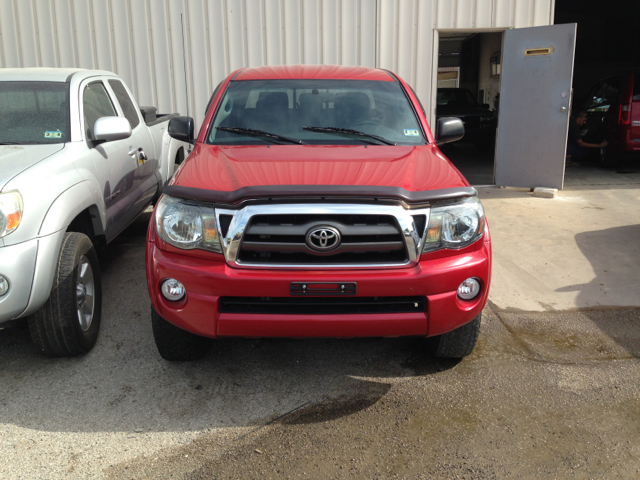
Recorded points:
(176, 344)
(608, 158)
(459, 342)
(69, 323)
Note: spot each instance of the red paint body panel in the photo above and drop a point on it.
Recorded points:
(228, 168)
(207, 280)
(336, 326)
(311, 72)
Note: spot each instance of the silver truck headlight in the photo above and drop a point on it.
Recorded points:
(187, 225)
(456, 225)
(11, 208)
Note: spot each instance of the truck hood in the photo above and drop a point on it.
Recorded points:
(15, 159)
(231, 168)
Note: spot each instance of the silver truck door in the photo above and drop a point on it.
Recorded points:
(535, 93)
(145, 181)
(115, 166)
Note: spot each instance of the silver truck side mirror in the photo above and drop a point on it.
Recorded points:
(108, 129)
(449, 129)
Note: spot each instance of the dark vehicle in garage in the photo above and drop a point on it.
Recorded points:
(479, 122)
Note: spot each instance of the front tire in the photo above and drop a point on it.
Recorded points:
(175, 344)
(459, 342)
(69, 322)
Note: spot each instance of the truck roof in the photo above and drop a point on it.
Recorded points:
(47, 74)
(304, 72)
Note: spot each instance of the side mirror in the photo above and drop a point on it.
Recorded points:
(449, 129)
(181, 128)
(108, 129)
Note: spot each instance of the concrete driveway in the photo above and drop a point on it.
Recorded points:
(551, 391)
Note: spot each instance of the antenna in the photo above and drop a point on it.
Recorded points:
(184, 62)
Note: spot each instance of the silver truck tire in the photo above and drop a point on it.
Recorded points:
(459, 342)
(175, 344)
(69, 322)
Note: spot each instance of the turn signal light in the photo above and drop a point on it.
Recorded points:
(13, 220)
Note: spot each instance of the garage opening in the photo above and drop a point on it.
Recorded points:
(469, 69)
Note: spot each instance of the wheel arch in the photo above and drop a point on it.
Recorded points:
(77, 205)
(74, 210)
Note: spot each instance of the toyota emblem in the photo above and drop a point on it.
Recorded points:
(323, 239)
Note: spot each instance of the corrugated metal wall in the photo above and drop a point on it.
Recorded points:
(142, 40)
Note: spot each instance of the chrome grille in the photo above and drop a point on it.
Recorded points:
(280, 239)
(277, 235)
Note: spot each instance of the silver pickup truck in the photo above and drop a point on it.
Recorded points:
(79, 161)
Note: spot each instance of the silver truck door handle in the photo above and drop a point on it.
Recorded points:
(132, 151)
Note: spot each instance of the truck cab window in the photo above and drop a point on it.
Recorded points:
(96, 104)
(128, 108)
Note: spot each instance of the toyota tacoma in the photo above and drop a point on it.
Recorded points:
(316, 203)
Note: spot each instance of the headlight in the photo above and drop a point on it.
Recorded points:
(187, 225)
(455, 225)
(11, 208)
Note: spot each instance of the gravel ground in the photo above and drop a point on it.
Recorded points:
(544, 395)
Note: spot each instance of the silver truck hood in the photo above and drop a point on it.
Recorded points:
(15, 159)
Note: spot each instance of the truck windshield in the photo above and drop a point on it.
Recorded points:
(321, 112)
(34, 112)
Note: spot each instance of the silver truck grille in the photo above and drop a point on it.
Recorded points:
(322, 235)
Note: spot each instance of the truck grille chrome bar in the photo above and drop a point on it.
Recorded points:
(322, 235)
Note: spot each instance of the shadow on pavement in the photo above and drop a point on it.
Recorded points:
(124, 385)
(614, 254)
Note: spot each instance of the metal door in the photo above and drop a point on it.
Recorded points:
(114, 167)
(141, 148)
(535, 93)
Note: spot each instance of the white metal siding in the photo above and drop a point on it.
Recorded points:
(142, 40)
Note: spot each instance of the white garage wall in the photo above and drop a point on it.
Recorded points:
(142, 40)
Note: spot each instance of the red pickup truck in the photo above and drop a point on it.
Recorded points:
(316, 203)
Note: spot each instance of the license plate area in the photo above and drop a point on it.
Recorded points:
(323, 288)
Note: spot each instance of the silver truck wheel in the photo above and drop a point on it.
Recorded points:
(85, 293)
(459, 342)
(69, 322)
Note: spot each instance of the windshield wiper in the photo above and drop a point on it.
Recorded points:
(349, 132)
(10, 143)
(260, 133)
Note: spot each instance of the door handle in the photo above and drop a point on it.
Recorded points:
(113, 195)
(132, 151)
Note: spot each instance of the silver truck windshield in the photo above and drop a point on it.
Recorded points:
(34, 113)
(321, 112)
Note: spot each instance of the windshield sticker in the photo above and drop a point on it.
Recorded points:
(50, 134)
(411, 133)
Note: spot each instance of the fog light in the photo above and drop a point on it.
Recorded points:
(172, 289)
(4, 285)
(469, 289)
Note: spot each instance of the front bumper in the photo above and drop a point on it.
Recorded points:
(17, 264)
(30, 267)
(435, 277)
